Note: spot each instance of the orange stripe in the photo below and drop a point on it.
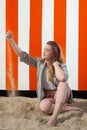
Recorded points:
(60, 23)
(82, 83)
(11, 59)
(35, 36)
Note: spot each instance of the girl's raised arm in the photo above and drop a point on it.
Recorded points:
(15, 47)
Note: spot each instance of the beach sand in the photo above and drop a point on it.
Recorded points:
(22, 113)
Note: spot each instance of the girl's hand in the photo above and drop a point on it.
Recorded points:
(56, 63)
(9, 35)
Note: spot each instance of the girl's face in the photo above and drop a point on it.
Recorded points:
(48, 52)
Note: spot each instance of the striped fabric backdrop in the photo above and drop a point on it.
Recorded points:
(33, 23)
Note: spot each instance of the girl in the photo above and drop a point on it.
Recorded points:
(53, 90)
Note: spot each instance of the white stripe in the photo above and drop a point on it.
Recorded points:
(2, 44)
(47, 21)
(23, 41)
(72, 42)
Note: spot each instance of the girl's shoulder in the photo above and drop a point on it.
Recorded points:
(63, 66)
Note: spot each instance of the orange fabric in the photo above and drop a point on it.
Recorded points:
(35, 37)
(11, 58)
(82, 82)
(60, 23)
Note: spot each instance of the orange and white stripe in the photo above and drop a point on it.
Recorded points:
(33, 24)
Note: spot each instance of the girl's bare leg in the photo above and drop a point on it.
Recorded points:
(50, 106)
(61, 97)
(53, 119)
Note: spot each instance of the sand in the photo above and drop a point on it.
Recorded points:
(22, 113)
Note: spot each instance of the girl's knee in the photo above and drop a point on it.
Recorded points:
(45, 106)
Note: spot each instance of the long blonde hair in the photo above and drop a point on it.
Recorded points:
(58, 56)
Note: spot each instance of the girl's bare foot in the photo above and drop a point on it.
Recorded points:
(52, 122)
